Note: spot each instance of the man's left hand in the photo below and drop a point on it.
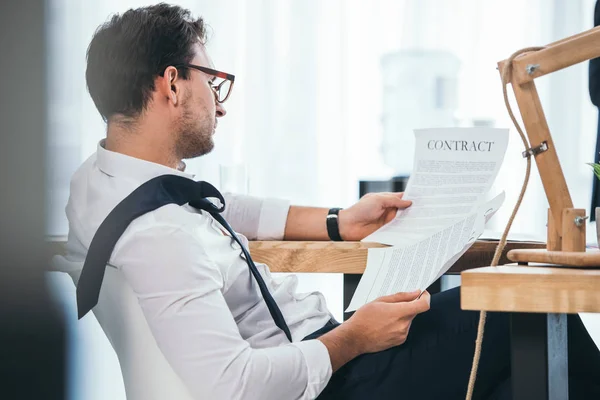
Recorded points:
(371, 212)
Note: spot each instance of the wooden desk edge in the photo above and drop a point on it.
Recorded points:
(546, 289)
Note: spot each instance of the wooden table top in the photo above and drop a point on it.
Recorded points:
(543, 288)
(351, 257)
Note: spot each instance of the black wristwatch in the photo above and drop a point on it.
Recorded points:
(333, 228)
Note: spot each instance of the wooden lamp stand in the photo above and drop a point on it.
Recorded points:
(566, 225)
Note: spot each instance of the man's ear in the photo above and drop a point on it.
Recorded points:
(169, 87)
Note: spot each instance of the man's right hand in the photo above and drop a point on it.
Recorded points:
(376, 326)
(385, 322)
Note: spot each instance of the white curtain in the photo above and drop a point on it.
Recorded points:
(305, 115)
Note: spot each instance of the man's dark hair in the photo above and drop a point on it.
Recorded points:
(129, 51)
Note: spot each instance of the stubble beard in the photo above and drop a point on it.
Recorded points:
(194, 134)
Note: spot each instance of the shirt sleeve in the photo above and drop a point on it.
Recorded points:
(256, 218)
(179, 290)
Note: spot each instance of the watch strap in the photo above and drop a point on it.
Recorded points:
(333, 228)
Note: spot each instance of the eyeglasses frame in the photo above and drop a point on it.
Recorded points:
(218, 74)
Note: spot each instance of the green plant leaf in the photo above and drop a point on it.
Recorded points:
(596, 168)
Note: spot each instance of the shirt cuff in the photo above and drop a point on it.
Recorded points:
(318, 366)
(273, 217)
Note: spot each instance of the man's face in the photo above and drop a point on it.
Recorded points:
(199, 111)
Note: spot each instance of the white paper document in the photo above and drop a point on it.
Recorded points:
(453, 171)
(415, 266)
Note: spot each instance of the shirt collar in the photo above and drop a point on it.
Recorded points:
(117, 164)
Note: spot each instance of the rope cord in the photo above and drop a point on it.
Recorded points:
(500, 248)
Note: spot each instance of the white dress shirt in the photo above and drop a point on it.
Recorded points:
(202, 304)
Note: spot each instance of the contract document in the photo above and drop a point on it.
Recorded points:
(453, 171)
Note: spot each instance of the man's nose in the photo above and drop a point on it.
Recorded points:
(221, 111)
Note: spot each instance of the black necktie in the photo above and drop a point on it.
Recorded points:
(155, 193)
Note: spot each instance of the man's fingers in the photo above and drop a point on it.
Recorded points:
(425, 294)
(394, 200)
(397, 194)
(419, 305)
(400, 297)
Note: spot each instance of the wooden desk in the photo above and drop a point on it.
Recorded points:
(539, 299)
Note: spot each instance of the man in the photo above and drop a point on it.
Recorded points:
(152, 80)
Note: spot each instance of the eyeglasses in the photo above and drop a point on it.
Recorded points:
(222, 89)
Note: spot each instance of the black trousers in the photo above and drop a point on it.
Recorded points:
(435, 361)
